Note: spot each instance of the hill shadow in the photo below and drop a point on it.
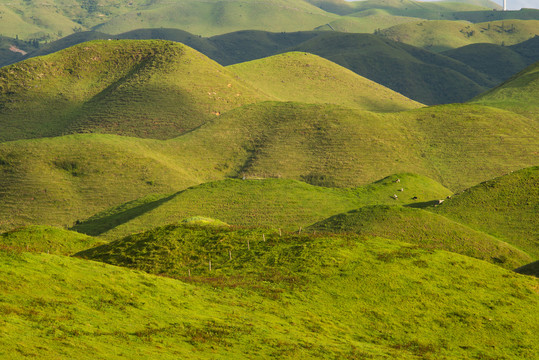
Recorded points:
(98, 225)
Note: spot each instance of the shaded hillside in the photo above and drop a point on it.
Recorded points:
(154, 89)
(418, 74)
(276, 203)
(308, 78)
(505, 207)
(499, 62)
(444, 35)
(529, 269)
(484, 16)
(425, 229)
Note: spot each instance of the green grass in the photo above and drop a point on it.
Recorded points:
(277, 203)
(529, 269)
(60, 180)
(516, 94)
(53, 240)
(441, 35)
(308, 78)
(425, 229)
(133, 88)
(416, 73)
(367, 21)
(505, 207)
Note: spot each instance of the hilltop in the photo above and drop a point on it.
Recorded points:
(154, 89)
(505, 207)
(308, 78)
(275, 203)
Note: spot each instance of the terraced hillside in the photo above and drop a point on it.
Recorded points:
(308, 78)
(505, 207)
(276, 203)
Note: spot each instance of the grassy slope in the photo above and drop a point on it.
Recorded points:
(53, 240)
(424, 229)
(323, 297)
(60, 180)
(499, 62)
(276, 203)
(219, 17)
(529, 269)
(366, 22)
(443, 35)
(505, 207)
(308, 78)
(416, 73)
(154, 89)
(519, 93)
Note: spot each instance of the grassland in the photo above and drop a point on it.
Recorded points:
(425, 229)
(288, 297)
(441, 35)
(505, 207)
(123, 87)
(310, 79)
(276, 203)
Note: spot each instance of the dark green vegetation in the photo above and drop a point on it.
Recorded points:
(498, 62)
(425, 229)
(505, 207)
(277, 203)
(529, 269)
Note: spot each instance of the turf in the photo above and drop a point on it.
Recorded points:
(276, 203)
(505, 207)
(310, 79)
(425, 229)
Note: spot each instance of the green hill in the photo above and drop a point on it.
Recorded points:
(276, 203)
(425, 229)
(60, 180)
(505, 207)
(484, 16)
(218, 17)
(47, 239)
(441, 35)
(308, 78)
(291, 297)
(154, 89)
(367, 21)
(499, 62)
(516, 94)
(416, 73)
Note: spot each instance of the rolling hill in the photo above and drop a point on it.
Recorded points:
(153, 89)
(424, 229)
(441, 35)
(275, 203)
(310, 79)
(416, 73)
(289, 297)
(505, 207)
